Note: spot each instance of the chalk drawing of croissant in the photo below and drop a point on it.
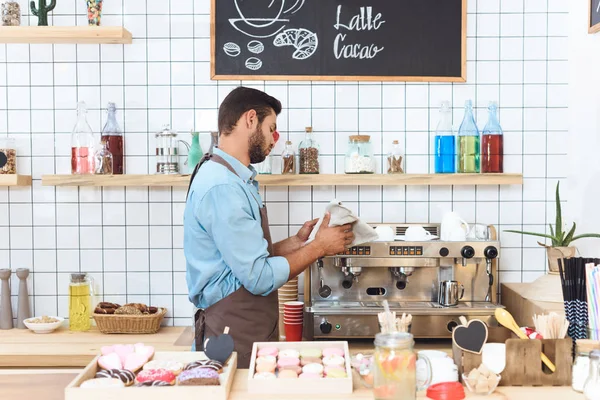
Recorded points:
(260, 27)
(304, 41)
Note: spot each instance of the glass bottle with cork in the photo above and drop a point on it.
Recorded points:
(309, 153)
(288, 160)
(492, 143)
(445, 142)
(103, 160)
(468, 142)
(81, 291)
(83, 144)
(394, 159)
(113, 136)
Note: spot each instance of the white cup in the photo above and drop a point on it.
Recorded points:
(416, 234)
(457, 235)
(443, 368)
(386, 233)
(493, 356)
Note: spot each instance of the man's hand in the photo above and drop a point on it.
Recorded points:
(333, 240)
(304, 232)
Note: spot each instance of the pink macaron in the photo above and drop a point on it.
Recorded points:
(268, 351)
(333, 351)
(305, 375)
(288, 362)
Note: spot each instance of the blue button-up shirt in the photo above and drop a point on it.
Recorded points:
(223, 240)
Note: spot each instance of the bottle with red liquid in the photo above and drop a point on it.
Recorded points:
(113, 136)
(82, 144)
(492, 144)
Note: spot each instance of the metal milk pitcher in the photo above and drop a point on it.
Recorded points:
(448, 294)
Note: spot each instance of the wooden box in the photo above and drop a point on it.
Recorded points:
(524, 365)
(221, 392)
(319, 386)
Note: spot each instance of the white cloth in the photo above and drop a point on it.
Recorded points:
(341, 215)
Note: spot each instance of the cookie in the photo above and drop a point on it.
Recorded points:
(102, 383)
(174, 366)
(199, 377)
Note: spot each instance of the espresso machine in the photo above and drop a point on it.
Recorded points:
(343, 294)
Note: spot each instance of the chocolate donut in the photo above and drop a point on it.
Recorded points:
(126, 376)
(212, 364)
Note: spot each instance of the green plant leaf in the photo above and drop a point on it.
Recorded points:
(559, 228)
(554, 242)
(533, 234)
(569, 238)
(585, 235)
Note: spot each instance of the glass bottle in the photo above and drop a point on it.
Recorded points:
(104, 161)
(11, 13)
(288, 160)
(492, 143)
(8, 156)
(194, 153)
(309, 153)
(445, 142)
(394, 159)
(591, 390)
(581, 365)
(395, 374)
(81, 290)
(113, 136)
(82, 144)
(468, 142)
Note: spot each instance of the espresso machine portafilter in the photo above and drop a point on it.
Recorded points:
(408, 276)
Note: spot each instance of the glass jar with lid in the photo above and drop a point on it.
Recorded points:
(359, 156)
(288, 160)
(8, 156)
(394, 159)
(591, 389)
(581, 365)
(309, 153)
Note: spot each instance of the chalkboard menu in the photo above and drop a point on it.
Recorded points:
(594, 16)
(364, 40)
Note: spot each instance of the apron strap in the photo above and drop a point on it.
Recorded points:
(199, 329)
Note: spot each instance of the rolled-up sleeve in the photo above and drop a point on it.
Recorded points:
(227, 216)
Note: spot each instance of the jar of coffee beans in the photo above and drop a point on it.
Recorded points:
(11, 13)
(309, 154)
(8, 156)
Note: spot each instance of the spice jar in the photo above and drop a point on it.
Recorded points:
(11, 13)
(309, 154)
(394, 159)
(591, 390)
(359, 156)
(288, 160)
(103, 160)
(8, 156)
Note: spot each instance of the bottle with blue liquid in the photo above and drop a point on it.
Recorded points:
(445, 142)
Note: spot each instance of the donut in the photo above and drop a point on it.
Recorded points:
(156, 375)
(125, 375)
(311, 353)
(102, 383)
(316, 369)
(268, 351)
(152, 383)
(289, 353)
(334, 360)
(286, 373)
(174, 366)
(333, 351)
(214, 364)
(199, 377)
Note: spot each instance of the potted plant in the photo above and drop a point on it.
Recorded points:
(561, 240)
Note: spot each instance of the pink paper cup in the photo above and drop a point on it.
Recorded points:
(293, 312)
(294, 304)
(293, 332)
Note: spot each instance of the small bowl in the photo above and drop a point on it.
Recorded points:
(472, 389)
(43, 328)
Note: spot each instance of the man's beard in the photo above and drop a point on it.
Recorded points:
(257, 147)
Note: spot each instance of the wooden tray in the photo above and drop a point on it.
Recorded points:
(321, 386)
(221, 392)
(524, 365)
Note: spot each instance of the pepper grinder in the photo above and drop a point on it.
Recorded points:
(23, 311)
(6, 317)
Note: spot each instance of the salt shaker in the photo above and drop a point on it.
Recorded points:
(6, 315)
(23, 309)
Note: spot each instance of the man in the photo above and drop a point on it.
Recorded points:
(233, 269)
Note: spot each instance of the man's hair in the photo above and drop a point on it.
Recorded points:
(241, 100)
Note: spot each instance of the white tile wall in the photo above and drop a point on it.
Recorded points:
(131, 239)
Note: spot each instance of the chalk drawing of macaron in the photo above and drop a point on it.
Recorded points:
(232, 49)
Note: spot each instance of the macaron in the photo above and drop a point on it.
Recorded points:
(295, 368)
(288, 362)
(332, 369)
(289, 353)
(333, 351)
(310, 360)
(313, 369)
(268, 351)
(336, 373)
(287, 373)
(264, 375)
(266, 359)
(305, 375)
(311, 353)
(333, 360)
(265, 367)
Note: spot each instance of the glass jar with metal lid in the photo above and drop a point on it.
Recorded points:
(359, 156)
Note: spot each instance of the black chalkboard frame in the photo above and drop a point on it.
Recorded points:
(457, 79)
(592, 28)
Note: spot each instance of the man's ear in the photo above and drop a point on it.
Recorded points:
(250, 119)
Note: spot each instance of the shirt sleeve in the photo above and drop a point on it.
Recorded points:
(225, 213)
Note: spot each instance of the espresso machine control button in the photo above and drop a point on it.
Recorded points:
(444, 252)
(490, 252)
(467, 252)
(451, 325)
(326, 327)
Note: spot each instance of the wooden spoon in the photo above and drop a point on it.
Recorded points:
(507, 320)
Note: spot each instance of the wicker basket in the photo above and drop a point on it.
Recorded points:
(119, 323)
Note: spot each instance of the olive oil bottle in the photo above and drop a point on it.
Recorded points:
(80, 302)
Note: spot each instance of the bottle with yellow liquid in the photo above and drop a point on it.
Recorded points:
(468, 143)
(80, 301)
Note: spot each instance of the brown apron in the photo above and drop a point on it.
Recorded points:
(250, 318)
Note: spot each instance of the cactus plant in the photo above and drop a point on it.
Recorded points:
(42, 11)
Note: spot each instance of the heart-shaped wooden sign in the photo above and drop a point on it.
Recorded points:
(219, 347)
(471, 337)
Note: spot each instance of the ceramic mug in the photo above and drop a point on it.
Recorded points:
(493, 356)
(443, 368)
(386, 233)
(416, 234)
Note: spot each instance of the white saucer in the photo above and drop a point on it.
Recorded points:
(402, 238)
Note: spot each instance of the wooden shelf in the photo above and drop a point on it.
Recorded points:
(292, 180)
(15, 180)
(65, 34)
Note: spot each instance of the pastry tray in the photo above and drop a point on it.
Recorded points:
(221, 392)
(317, 386)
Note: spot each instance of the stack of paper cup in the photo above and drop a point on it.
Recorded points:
(288, 292)
(293, 318)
